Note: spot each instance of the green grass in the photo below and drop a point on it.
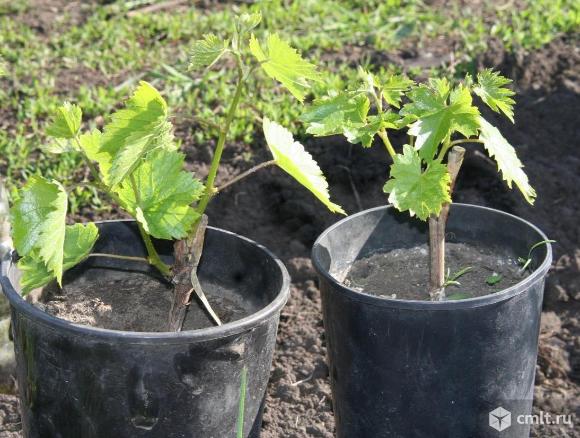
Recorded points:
(103, 58)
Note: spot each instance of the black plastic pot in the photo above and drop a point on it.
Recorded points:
(78, 381)
(402, 368)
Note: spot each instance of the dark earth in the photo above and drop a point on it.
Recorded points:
(480, 270)
(275, 211)
(135, 302)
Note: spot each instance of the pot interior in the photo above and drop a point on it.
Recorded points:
(384, 229)
(232, 270)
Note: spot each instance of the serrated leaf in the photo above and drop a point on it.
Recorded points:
(465, 118)
(430, 131)
(423, 101)
(330, 115)
(78, 242)
(134, 131)
(421, 192)
(491, 88)
(58, 146)
(165, 194)
(247, 22)
(370, 81)
(39, 219)
(364, 133)
(394, 87)
(439, 120)
(291, 157)
(91, 143)
(441, 86)
(66, 121)
(284, 64)
(506, 158)
(206, 52)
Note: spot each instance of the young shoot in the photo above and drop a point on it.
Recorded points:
(526, 262)
(135, 161)
(438, 117)
(452, 279)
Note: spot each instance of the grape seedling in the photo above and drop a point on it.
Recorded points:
(135, 161)
(439, 118)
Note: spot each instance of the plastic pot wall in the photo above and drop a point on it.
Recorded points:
(78, 381)
(402, 368)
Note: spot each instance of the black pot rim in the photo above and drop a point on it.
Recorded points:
(468, 303)
(199, 335)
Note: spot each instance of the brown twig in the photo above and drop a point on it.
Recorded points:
(437, 231)
(185, 278)
(156, 7)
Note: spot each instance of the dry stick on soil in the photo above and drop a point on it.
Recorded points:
(437, 231)
(156, 7)
(185, 276)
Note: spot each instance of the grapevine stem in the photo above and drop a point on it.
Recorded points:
(387, 143)
(437, 231)
(153, 258)
(184, 275)
(209, 185)
(120, 257)
(245, 174)
(383, 132)
(465, 140)
(456, 142)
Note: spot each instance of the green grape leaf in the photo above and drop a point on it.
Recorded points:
(433, 127)
(370, 81)
(330, 115)
(421, 192)
(364, 134)
(66, 122)
(394, 88)
(246, 22)
(465, 117)
(423, 101)
(39, 218)
(78, 242)
(164, 195)
(491, 88)
(441, 86)
(291, 157)
(58, 146)
(134, 131)
(284, 64)
(91, 143)
(34, 273)
(506, 158)
(2, 67)
(430, 131)
(206, 52)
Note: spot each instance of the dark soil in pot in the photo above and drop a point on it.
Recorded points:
(136, 302)
(404, 273)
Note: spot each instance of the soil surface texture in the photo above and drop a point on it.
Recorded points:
(135, 302)
(404, 273)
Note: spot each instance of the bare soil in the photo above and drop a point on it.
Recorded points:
(135, 302)
(276, 212)
(405, 271)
